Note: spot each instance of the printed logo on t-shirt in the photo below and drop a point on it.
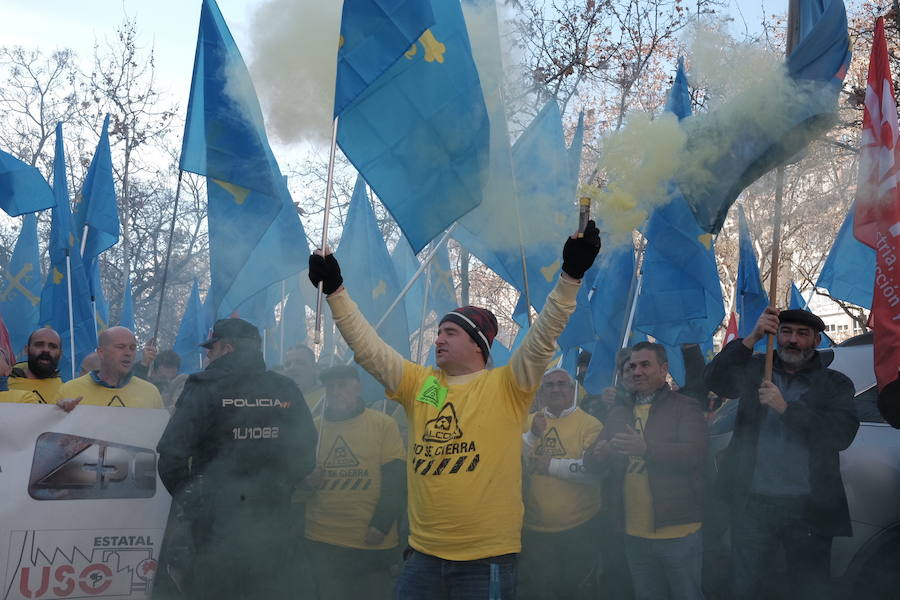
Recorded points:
(441, 451)
(637, 464)
(551, 445)
(116, 401)
(444, 427)
(340, 456)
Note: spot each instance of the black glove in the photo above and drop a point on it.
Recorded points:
(578, 253)
(327, 270)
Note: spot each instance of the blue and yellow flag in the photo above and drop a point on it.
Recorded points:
(126, 315)
(764, 131)
(97, 209)
(751, 299)
(419, 134)
(613, 287)
(20, 289)
(849, 271)
(224, 139)
(368, 271)
(405, 266)
(374, 34)
(22, 187)
(681, 296)
(545, 191)
(442, 297)
(54, 297)
(192, 332)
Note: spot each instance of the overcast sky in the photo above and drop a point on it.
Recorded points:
(170, 25)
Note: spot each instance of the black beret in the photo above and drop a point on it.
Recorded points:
(801, 317)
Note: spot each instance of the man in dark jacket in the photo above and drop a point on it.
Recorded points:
(781, 471)
(654, 445)
(240, 441)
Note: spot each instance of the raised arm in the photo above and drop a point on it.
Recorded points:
(371, 352)
(530, 360)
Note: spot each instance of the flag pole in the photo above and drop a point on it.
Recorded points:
(162, 290)
(428, 258)
(793, 34)
(71, 316)
(515, 191)
(421, 342)
(317, 339)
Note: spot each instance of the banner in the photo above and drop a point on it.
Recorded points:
(82, 509)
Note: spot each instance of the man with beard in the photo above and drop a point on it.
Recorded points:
(781, 471)
(112, 384)
(39, 373)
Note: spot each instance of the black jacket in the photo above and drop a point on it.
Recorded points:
(676, 439)
(824, 416)
(240, 434)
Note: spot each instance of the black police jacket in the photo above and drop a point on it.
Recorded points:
(240, 436)
(824, 415)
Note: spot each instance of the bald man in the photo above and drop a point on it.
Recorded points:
(112, 384)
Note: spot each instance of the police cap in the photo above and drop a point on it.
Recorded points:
(231, 329)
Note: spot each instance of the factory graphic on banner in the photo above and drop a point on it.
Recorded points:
(78, 564)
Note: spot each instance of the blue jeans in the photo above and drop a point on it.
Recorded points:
(666, 569)
(427, 577)
(758, 528)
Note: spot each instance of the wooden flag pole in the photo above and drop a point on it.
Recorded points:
(317, 337)
(773, 276)
(793, 35)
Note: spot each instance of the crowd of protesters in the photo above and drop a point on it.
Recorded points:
(478, 482)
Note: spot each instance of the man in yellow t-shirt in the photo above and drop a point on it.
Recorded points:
(654, 445)
(112, 384)
(465, 425)
(39, 373)
(351, 519)
(562, 501)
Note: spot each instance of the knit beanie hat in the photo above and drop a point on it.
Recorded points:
(479, 323)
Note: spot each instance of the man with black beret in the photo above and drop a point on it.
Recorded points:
(781, 471)
(463, 466)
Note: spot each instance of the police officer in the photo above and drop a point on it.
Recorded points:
(241, 439)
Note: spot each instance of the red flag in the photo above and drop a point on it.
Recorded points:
(731, 332)
(877, 216)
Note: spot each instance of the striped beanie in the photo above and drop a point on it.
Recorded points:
(479, 323)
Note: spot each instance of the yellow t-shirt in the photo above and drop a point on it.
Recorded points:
(553, 504)
(137, 393)
(639, 500)
(20, 397)
(352, 453)
(44, 389)
(464, 469)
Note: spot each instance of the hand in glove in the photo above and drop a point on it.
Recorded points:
(325, 269)
(579, 252)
